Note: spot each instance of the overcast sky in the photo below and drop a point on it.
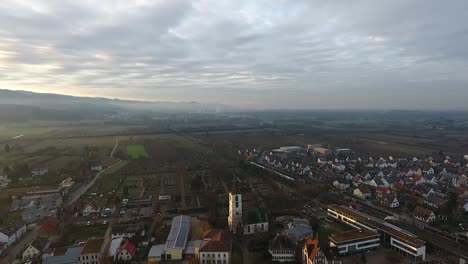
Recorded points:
(398, 54)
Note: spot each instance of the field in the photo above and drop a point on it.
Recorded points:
(136, 151)
(74, 234)
(110, 180)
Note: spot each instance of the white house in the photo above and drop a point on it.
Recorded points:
(424, 214)
(391, 201)
(89, 209)
(10, 235)
(34, 250)
(39, 171)
(95, 165)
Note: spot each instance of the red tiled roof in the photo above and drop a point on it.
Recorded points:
(398, 186)
(129, 247)
(51, 226)
(216, 240)
(381, 189)
(312, 247)
(416, 178)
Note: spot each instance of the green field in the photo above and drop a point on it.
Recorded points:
(136, 151)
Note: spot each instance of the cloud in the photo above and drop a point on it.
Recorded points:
(282, 54)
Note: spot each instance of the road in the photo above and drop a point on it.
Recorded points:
(83, 189)
(19, 246)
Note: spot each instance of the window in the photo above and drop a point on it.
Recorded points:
(237, 204)
(237, 198)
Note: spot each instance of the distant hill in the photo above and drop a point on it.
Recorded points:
(25, 105)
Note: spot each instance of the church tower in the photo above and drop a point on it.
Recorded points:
(235, 209)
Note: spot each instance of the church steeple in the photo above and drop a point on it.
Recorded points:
(235, 208)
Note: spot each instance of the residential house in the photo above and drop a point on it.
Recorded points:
(430, 178)
(4, 180)
(127, 251)
(424, 214)
(434, 200)
(338, 167)
(282, 249)
(69, 255)
(398, 187)
(380, 191)
(357, 180)
(92, 251)
(9, 235)
(342, 185)
(90, 208)
(95, 165)
(39, 170)
(215, 247)
(363, 192)
(35, 249)
(114, 247)
(390, 200)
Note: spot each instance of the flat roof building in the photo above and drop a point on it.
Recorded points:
(389, 234)
(354, 241)
(178, 236)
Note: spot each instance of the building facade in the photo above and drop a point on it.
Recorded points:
(235, 212)
(354, 241)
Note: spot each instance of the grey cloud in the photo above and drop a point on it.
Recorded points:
(281, 54)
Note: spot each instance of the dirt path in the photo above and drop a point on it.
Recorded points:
(83, 189)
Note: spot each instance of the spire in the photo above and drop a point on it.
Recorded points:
(234, 185)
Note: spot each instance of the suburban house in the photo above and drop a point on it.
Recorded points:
(4, 181)
(380, 191)
(434, 200)
(90, 208)
(39, 170)
(342, 185)
(70, 255)
(92, 251)
(215, 247)
(127, 251)
(390, 200)
(95, 165)
(35, 249)
(10, 235)
(282, 249)
(114, 247)
(424, 214)
(362, 191)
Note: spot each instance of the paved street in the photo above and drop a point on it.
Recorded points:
(18, 247)
(83, 189)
